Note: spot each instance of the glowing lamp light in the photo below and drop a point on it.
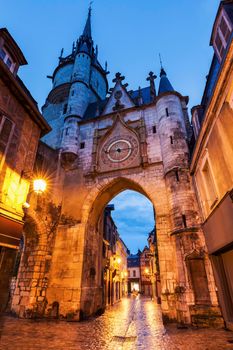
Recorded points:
(118, 260)
(146, 271)
(39, 185)
(26, 205)
(126, 273)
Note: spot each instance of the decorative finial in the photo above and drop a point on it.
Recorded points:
(160, 60)
(106, 66)
(61, 54)
(73, 47)
(151, 78)
(90, 7)
(162, 71)
(118, 77)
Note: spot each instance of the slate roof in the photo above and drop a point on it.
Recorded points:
(95, 109)
(133, 260)
(165, 85)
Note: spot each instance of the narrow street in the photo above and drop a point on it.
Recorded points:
(133, 323)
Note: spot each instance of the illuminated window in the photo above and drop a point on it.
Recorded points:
(6, 129)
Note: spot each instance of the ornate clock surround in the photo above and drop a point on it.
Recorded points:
(119, 147)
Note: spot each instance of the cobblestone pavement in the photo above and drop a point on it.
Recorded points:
(131, 324)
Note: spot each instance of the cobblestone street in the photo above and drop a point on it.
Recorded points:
(131, 324)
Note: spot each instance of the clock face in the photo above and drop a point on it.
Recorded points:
(119, 151)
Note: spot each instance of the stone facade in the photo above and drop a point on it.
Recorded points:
(146, 273)
(211, 165)
(21, 126)
(114, 261)
(132, 140)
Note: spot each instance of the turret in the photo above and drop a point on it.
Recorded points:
(79, 95)
(172, 125)
(175, 152)
(78, 81)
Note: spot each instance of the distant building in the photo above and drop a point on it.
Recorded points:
(154, 266)
(21, 126)
(212, 159)
(134, 272)
(146, 272)
(114, 261)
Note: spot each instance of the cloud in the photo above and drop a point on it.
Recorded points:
(134, 218)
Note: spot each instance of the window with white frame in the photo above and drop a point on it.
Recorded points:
(6, 131)
(222, 35)
(7, 59)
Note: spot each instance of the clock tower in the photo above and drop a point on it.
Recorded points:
(136, 140)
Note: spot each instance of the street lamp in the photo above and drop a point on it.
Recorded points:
(39, 186)
(118, 260)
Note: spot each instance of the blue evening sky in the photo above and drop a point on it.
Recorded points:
(134, 217)
(130, 35)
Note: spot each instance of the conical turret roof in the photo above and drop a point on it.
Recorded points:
(164, 85)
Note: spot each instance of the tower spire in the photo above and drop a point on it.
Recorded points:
(87, 28)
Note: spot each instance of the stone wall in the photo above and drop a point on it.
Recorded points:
(74, 288)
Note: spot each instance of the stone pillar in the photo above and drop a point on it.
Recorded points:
(29, 299)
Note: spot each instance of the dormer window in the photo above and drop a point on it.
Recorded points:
(222, 35)
(4, 55)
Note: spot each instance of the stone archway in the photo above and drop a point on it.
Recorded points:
(91, 288)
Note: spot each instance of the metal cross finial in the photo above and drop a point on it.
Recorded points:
(160, 60)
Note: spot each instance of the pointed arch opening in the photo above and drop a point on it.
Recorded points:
(106, 276)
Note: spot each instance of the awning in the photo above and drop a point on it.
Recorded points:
(10, 232)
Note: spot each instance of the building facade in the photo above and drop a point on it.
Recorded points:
(115, 255)
(146, 273)
(154, 266)
(134, 273)
(21, 126)
(211, 165)
(136, 140)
